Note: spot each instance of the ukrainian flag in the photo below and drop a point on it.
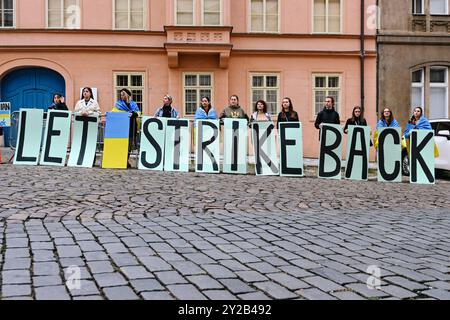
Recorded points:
(115, 148)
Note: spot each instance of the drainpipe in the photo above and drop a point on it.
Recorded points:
(362, 53)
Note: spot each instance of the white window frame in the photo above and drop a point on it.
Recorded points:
(129, 74)
(14, 17)
(341, 20)
(63, 26)
(220, 14)
(265, 88)
(249, 18)
(327, 90)
(193, 14)
(197, 87)
(144, 16)
(440, 14)
(441, 85)
(420, 85)
(414, 7)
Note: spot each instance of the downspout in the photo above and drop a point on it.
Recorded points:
(377, 107)
(362, 54)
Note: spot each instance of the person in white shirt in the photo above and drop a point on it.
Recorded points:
(87, 106)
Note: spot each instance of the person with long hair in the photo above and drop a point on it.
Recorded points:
(260, 112)
(126, 104)
(417, 121)
(205, 111)
(357, 119)
(287, 112)
(87, 106)
(387, 120)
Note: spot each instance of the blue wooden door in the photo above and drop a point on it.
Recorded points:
(30, 88)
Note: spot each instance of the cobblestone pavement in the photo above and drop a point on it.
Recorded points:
(149, 235)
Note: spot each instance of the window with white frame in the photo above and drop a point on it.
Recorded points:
(133, 81)
(264, 15)
(325, 85)
(438, 92)
(212, 12)
(418, 7)
(438, 6)
(129, 14)
(63, 14)
(195, 87)
(6, 13)
(417, 89)
(265, 87)
(327, 16)
(184, 12)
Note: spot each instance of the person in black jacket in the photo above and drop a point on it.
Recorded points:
(357, 119)
(328, 114)
(58, 103)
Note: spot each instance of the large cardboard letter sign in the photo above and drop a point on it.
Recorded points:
(357, 167)
(207, 146)
(422, 157)
(291, 149)
(330, 151)
(389, 155)
(152, 144)
(115, 149)
(84, 143)
(29, 137)
(235, 146)
(177, 152)
(57, 134)
(263, 139)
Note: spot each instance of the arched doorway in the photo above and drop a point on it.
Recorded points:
(30, 88)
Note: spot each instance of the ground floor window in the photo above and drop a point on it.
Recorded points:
(134, 82)
(195, 87)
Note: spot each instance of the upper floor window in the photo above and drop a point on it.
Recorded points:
(211, 12)
(438, 6)
(327, 16)
(6, 13)
(63, 14)
(418, 7)
(185, 12)
(264, 16)
(129, 14)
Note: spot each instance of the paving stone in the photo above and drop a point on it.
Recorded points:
(52, 293)
(187, 268)
(155, 264)
(17, 264)
(136, 272)
(275, 290)
(16, 277)
(253, 296)
(120, 293)
(204, 282)
(84, 288)
(186, 292)
(170, 277)
(16, 290)
(314, 294)
(68, 251)
(110, 279)
(45, 281)
(236, 286)
(218, 271)
(219, 295)
(347, 295)
(363, 290)
(142, 285)
(398, 292)
(251, 276)
(124, 259)
(100, 266)
(157, 295)
(288, 281)
(405, 283)
(437, 293)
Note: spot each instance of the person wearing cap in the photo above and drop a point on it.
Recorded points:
(126, 104)
(167, 111)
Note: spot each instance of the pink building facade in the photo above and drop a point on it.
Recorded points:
(266, 49)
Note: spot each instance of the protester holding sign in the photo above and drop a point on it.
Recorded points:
(387, 120)
(328, 114)
(167, 111)
(417, 121)
(260, 113)
(87, 106)
(287, 113)
(234, 110)
(126, 104)
(357, 119)
(58, 103)
(205, 111)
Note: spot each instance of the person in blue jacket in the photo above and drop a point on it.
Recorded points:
(417, 121)
(205, 111)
